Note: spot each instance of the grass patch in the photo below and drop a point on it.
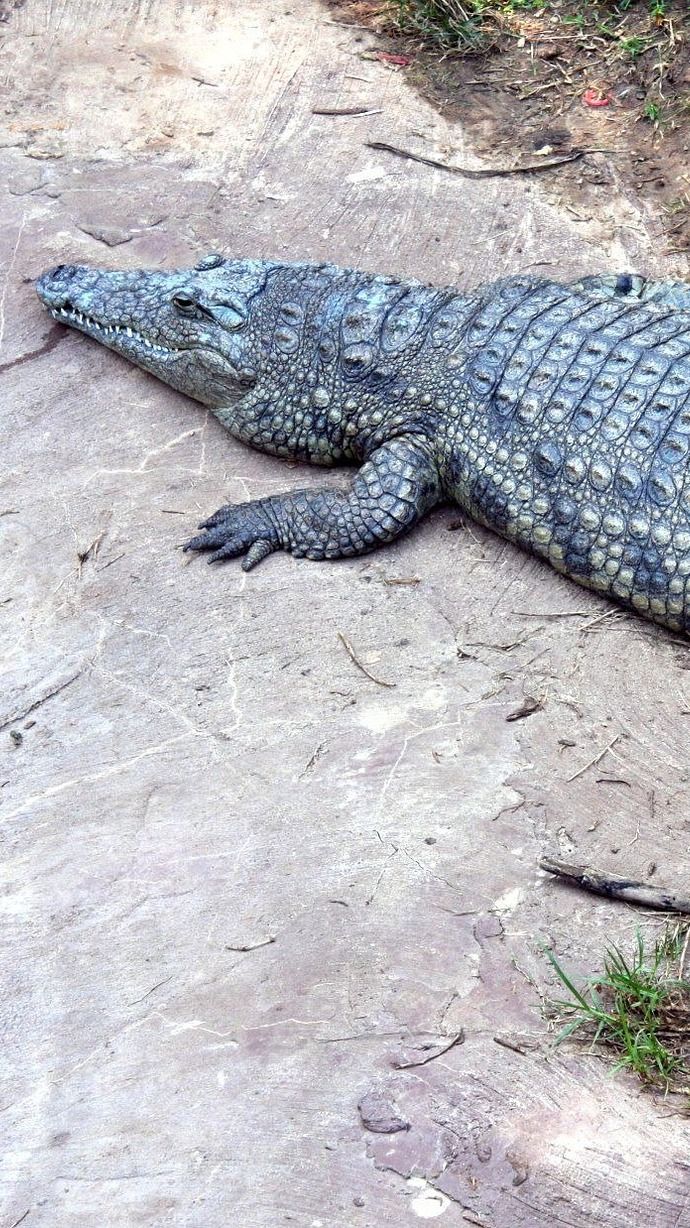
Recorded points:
(607, 40)
(446, 24)
(637, 1007)
(636, 25)
(527, 75)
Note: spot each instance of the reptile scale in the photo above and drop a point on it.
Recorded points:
(557, 415)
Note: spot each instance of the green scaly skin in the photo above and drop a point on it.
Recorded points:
(558, 415)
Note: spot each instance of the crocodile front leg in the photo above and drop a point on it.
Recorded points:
(391, 492)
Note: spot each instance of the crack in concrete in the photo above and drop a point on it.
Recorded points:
(92, 777)
(153, 452)
(55, 335)
(37, 703)
(8, 271)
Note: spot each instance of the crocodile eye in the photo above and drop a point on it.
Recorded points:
(183, 303)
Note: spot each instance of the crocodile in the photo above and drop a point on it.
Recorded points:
(556, 414)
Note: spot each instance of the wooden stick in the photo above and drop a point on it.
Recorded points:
(618, 888)
(484, 172)
(347, 111)
(360, 664)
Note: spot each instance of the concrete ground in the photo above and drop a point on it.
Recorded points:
(265, 919)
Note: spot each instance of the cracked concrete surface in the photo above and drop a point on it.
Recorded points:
(246, 887)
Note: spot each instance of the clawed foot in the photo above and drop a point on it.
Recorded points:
(240, 528)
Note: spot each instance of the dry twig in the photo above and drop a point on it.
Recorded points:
(431, 1057)
(483, 172)
(616, 887)
(360, 665)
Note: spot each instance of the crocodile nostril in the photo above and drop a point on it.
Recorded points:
(53, 285)
(64, 270)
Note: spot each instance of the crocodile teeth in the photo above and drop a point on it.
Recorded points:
(106, 330)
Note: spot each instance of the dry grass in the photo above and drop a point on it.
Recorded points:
(607, 41)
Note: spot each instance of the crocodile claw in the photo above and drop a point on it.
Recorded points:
(218, 517)
(234, 530)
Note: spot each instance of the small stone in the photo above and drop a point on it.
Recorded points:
(113, 236)
(25, 182)
(488, 926)
(379, 1114)
(44, 151)
(155, 218)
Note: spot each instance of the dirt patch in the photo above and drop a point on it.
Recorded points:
(531, 77)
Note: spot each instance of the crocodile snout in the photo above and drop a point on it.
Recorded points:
(53, 284)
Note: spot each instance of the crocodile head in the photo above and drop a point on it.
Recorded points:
(191, 328)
